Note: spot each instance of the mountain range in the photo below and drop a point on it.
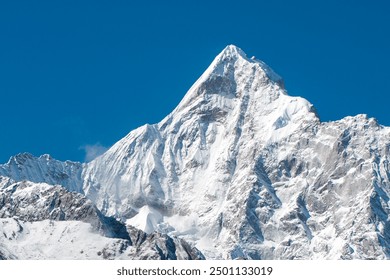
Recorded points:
(239, 170)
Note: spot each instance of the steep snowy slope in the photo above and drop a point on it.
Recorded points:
(240, 169)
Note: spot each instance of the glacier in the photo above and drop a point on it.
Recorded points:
(239, 170)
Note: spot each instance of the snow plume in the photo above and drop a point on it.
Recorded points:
(93, 151)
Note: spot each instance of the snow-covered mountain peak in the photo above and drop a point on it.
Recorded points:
(232, 54)
(232, 51)
(231, 78)
(239, 169)
(25, 166)
(20, 158)
(178, 175)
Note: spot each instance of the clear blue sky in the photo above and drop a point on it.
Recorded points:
(77, 73)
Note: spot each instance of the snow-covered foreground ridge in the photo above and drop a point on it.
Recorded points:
(239, 169)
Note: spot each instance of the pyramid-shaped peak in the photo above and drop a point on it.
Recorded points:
(232, 75)
(232, 54)
(233, 51)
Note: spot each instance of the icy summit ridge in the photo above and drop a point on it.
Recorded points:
(225, 69)
(232, 52)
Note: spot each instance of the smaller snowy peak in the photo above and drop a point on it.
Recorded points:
(20, 158)
(25, 166)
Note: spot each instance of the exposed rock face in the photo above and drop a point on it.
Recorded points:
(158, 246)
(50, 239)
(33, 202)
(37, 212)
(240, 170)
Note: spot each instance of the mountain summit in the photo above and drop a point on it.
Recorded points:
(240, 169)
(192, 167)
(232, 53)
(230, 68)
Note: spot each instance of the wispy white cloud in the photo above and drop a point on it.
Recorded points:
(93, 151)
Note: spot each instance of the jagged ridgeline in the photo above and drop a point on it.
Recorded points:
(239, 170)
